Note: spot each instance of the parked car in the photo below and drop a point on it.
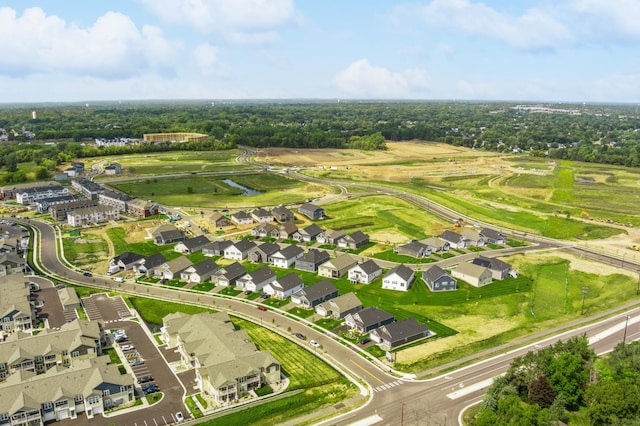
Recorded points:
(179, 417)
(145, 379)
(61, 286)
(365, 341)
(265, 296)
(248, 292)
(121, 338)
(87, 274)
(127, 347)
(136, 362)
(119, 279)
(150, 388)
(314, 343)
(300, 336)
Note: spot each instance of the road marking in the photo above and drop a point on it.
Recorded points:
(164, 420)
(612, 330)
(367, 421)
(154, 420)
(470, 389)
(360, 367)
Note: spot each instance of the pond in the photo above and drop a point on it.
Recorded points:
(247, 191)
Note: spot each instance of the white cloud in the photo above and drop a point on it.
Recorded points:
(361, 79)
(111, 48)
(239, 21)
(205, 58)
(615, 20)
(531, 31)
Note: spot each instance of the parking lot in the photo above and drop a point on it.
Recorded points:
(102, 307)
(51, 309)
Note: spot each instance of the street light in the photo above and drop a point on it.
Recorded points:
(626, 323)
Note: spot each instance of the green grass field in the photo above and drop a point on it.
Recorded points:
(549, 298)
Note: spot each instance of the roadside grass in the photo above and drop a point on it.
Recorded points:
(549, 297)
(193, 407)
(230, 291)
(85, 250)
(204, 287)
(145, 248)
(202, 401)
(390, 256)
(302, 313)
(153, 311)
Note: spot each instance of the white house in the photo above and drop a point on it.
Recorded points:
(364, 273)
(398, 278)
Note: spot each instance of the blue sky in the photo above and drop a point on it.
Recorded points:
(536, 50)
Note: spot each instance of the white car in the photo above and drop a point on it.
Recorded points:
(314, 343)
(127, 347)
(179, 417)
(119, 279)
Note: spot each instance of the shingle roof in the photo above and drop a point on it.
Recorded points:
(434, 273)
(369, 266)
(314, 256)
(290, 281)
(451, 236)
(290, 251)
(318, 290)
(402, 271)
(207, 266)
(371, 315)
(196, 242)
(400, 330)
(491, 263)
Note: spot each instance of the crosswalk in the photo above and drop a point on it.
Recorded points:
(386, 386)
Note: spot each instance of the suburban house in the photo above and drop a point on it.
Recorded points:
(287, 230)
(256, 280)
(437, 279)
(367, 319)
(262, 216)
(239, 250)
(113, 169)
(282, 214)
(364, 273)
(241, 218)
(266, 230)
(263, 252)
(338, 267)
(499, 269)
(92, 215)
(200, 272)
(339, 307)
(287, 256)
(353, 241)
(330, 236)
(11, 264)
(414, 249)
(150, 263)
(473, 274)
(142, 208)
(92, 386)
(192, 245)
(311, 260)
(311, 211)
(125, 261)
(492, 236)
(228, 275)
(16, 312)
(436, 245)
(167, 234)
(398, 333)
(172, 268)
(219, 220)
(285, 286)
(114, 199)
(308, 234)
(398, 278)
(454, 239)
(315, 294)
(473, 237)
(216, 248)
(227, 364)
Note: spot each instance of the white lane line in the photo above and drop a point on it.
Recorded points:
(470, 389)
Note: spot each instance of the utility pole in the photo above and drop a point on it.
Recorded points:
(584, 293)
(626, 323)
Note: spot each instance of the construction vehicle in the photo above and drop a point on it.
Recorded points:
(634, 247)
(585, 215)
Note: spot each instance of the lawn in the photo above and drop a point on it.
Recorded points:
(549, 297)
(87, 249)
(153, 311)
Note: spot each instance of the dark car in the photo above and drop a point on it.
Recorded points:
(87, 274)
(300, 336)
(145, 379)
(262, 308)
(265, 296)
(136, 362)
(150, 389)
(365, 341)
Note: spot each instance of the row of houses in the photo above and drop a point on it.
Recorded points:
(279, 214)
(450, 239)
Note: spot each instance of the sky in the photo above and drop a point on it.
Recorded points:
(515, 50)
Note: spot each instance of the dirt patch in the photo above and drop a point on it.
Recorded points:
(576, 263)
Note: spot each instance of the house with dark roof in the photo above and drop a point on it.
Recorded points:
(228, 275)
(499, 269)
(241, 218)
(87, 188)
(114, 199)
(353, 241)
(239, 250)
(339, 307)
(338, 267)
(150, 263)
(261, 215)
(308, 233)
(473, 237)
(11, 263)
(263, 252)
(414, 249)
(200, 272)
(398, 278)
(284, 287)
(256, 280)
(219, 220)
(286, 256)
(167, 234)
(311, 260)
(315, 294)
(473, 274)
(367, 319)
(492, 236)
(364, 273)
(287, 230)
(192, 245)
(282, 214)
(399, 333)
(216, 248)
(265, 230)
(436, 245)
(437, 279)
(311, 211)
(172, 268)
(124, 261)
(330, 236)
(454, 239)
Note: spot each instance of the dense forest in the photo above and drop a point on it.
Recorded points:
(594, 133)
(565, 381)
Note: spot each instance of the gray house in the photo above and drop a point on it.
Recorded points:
(311, 260)
(287, 256)
(167, 234)
(399, 333)
(287, 230)
(454, 239)
(340, 306)
(216, 248)
(367, 319)
(124, 261)
(282, 214)
(499, 269)
(192, 245)
(256, 280)
(150, 263)
(436, 245)
(200, 272)
(219, 220)
(311, 211)
(228, 275)
(355, 240)
(364, 273)
(437, 279)
(263, 252)
(308, 234)
(285, 286)
(492, 236)
(414, 249)
(315, 294)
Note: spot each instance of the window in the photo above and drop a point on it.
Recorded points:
(39, 358)
(62, 403)
(78, 398)
(105, 392)
(75, 354)
(94, 399)
(6, 319)
(47, 406)
(4, 416)
(65, 352)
